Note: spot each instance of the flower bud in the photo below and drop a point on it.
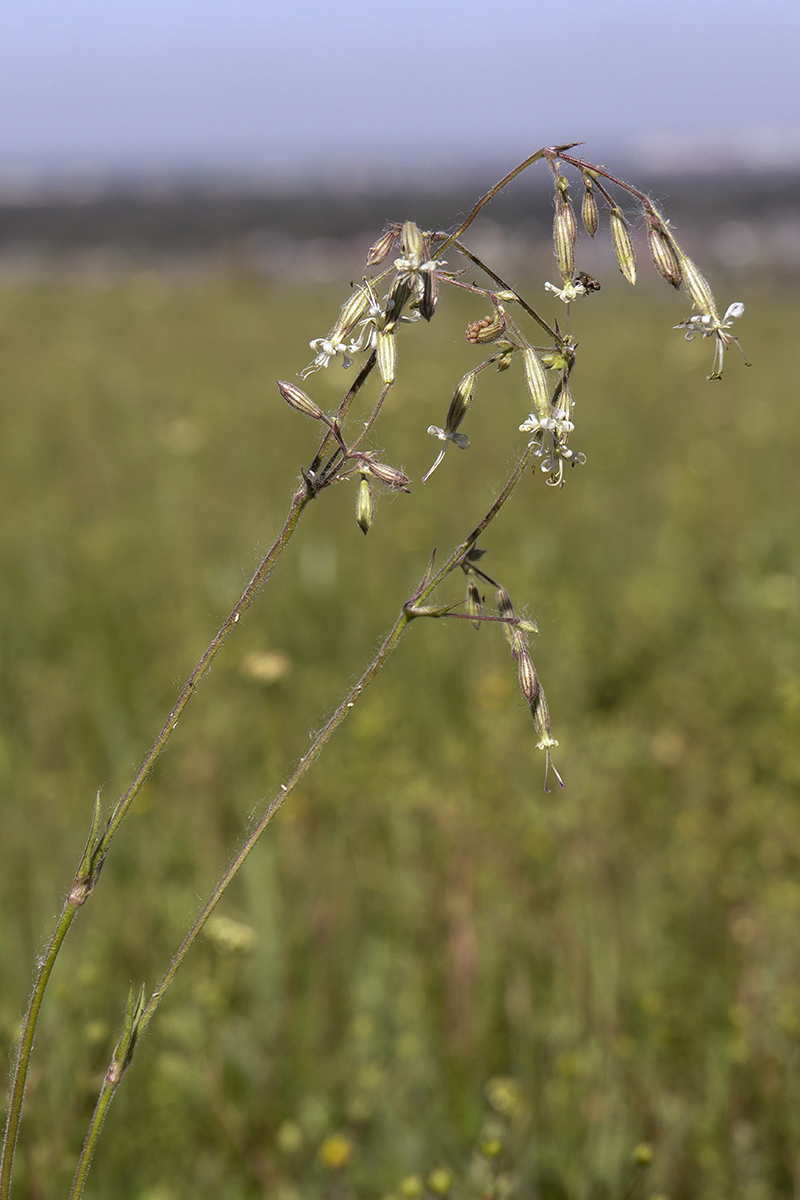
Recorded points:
(697, 287)
(364, 507)
(589, 213)
(662, 252)
(564, 233)
(623, 247)
(381, 248)
(298, 400)
(487, 329)
(386, 347)
(389, 475)
(537, 382)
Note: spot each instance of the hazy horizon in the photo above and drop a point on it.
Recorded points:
(172, 88)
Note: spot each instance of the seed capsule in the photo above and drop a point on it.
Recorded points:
(623, 247)
(487, 329)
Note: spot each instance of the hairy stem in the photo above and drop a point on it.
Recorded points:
(427, 586)
(92, 863)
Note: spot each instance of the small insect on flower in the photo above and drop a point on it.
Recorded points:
(582, 285)
(708, 324)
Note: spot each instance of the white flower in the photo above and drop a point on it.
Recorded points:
(326, 350)
(550, 435)
(709, 325)
(458, 439)
(570, 291)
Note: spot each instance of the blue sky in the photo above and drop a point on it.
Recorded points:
(371, 86)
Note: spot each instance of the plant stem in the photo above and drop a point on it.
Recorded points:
(429, 583)
(17, 1092)
(87, 875)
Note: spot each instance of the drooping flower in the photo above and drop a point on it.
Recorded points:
(708, 324)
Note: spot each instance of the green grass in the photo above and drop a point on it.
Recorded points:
(425, 917)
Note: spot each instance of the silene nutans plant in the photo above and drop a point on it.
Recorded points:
(409, 272)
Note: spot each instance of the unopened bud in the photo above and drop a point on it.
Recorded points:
(564, 233)
(697, 287)
(487, 329)
(536, 381)
(386, 347)
(460, 404)
(364, 506)
(389, 475)
(528, 680)
(473, 603)
(589, 213)
(662, 252)
(381, 248)
(298, 400)
(623, 247)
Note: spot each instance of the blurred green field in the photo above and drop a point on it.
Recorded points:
(422, 917)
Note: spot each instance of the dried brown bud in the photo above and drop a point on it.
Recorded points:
(386, 347)
(589, 213)
(364, 507)
(298, 400)
(623, 247)
(565, 231)
(389, 475)
(663, 252)
(487, 329)
(381, 248)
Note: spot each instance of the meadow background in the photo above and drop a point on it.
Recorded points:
(421, 918)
